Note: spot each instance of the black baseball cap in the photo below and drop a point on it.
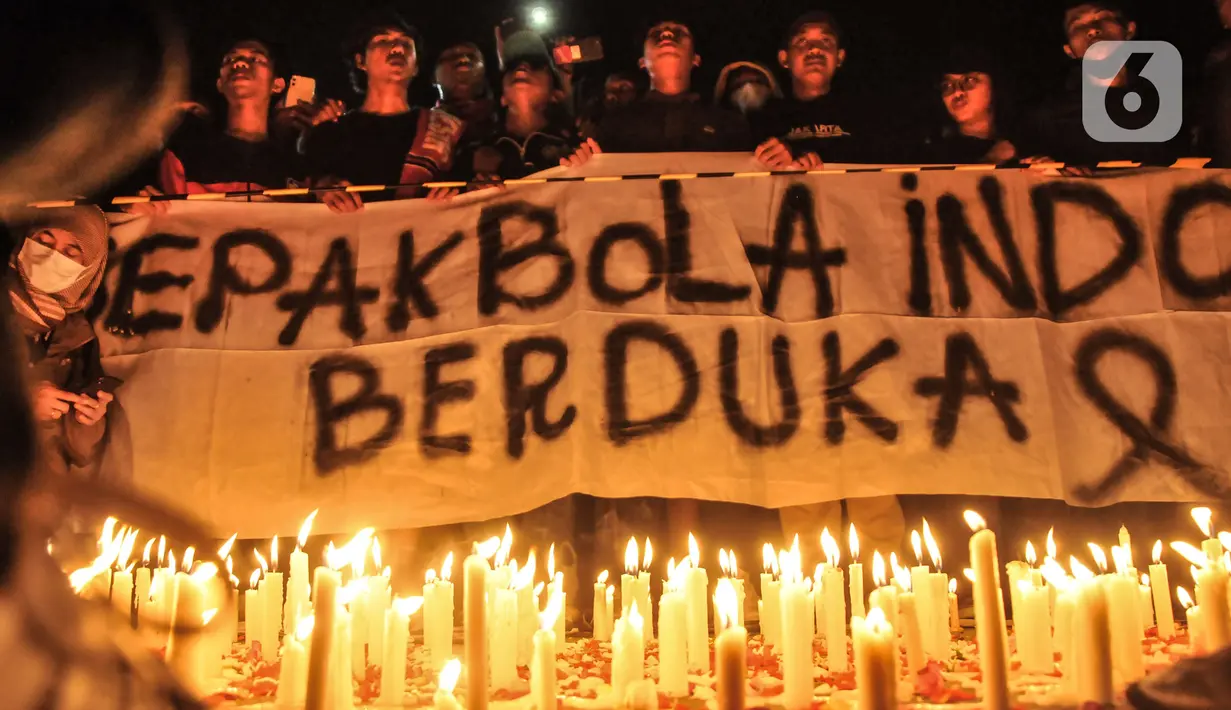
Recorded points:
(813, 17)
(526, 46)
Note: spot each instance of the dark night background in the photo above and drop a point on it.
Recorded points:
(58, 49)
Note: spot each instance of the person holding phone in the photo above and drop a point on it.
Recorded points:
(55, 272)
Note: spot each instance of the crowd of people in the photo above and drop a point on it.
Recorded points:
(533, 120)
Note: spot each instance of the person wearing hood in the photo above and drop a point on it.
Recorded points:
(975, 99)
(531, 136)
(56, 271)
(745, 87)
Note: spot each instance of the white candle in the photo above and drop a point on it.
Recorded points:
(1092, 656)
(672, 634)
(1017, 572)
(1145, 605)
(1215, 614)
(122, 593)
(955, 619)
(835, 620)
(271, 596)
(186, 648)
(796, 633)
(557, 587)
(602, 618)
(474, 611)
(293, 678)
(730, 650)
(341, 676)
(1062, 640)
(325, 594)
(358, 615)
(527, 623)
(1196, 644)
(504, 640)
(444, 698)
(627, 654)
(298, 588)
(379, 602)
(856, 574)
(989, 616)
(543, 662)
(1034, 645)
(876, 672)
(696, 600)
(916, 660)
(142, 596)
(438, 617)
(770, 608)
(254, 612)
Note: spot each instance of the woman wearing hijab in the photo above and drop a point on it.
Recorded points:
(56, 270)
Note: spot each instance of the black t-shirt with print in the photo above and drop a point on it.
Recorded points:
(202, 158)
(835, 126)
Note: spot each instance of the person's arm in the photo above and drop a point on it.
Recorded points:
(85, 428)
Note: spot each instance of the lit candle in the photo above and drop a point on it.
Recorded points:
(1211, 579)
(397, 643)
(1211, 545)
(628, 580)
(264, 631)
(796, 632)
(602, 614)
(1092, 654)
(642, 593)
(527, 610)
(474, 613)
(253, 610)
(912, 637)
(885, 596)
(543, 663)
(380, 599)
(341, 662)
(856, 573)
(1145, 604)
(273, 601)
(876, 673)
(142, 583)
(730, 649)
(1034, 644)
(726, 562)
(989, 615)
(444, 698)
(1192, 616)
(299, 585)
(922, 590)
(627, 654)
(503, 647)
(696, 600)
(833, 590)
(770, 609)
(357, 612)
(438, 614)
(293, 675)
(187, 647)
(936, 643)
(672, 633)
(1123, 600)
(555, 585)
(122, 578)
(321, 651)
(955, 621)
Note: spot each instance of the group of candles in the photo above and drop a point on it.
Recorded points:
(328, 631)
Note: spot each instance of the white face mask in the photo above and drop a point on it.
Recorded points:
(751, 96)
(47, 269)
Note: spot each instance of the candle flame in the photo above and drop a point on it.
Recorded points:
(162, 547)
(430, 577)
(694, 552)
(953, 586)
(930, 542)
(853, 546)
(1100, 557)
(551, 561)
(488, 548)
(819, 573)
(876, 622)
(387, 572)
(189, 555)
(974, 520)
(256, 577)
(306, 528)
(1051, 543)
(649, 555)
(634, 616)
(273, 553)
(916, 544)
(446, 569)
(735, 565)
(108, 532)
(208, 616)
(126, 548)
(1119, 558)
(407, 606)
(727, 604)
(969, 574)
(506, 546)
(603, 576)
(375, 552)
(171, 560)
(901, 575)
(768, 557)
(353, 552)
(555, 606)
(110, 544)
(525, 576)
(1031, 557)
(1193, 572)
(352, 591)
(145, 556)
(893, 562)
(630, 556)
(1157, 552)
(226, 546)
(1080, 571)
(538, 589)
(878, 568)
(1185, 600)
(1190, 553)
(260, 559)
(1224, 539)
(230, 567)
(833, 554)
(1055, 575)
(449, 675)
(1145, 581)
(1202, 517)
(303, 629)
(1024, 586)
(722, 563)
(610, 593)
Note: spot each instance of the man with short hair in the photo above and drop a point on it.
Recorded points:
(670, 118)
(815, 121)
(242, 156)
(1056, 131)
(386, 141)
(461, 82)
(619, 89)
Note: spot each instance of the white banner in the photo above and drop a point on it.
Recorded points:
(772, 341)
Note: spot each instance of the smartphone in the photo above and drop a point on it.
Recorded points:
(302, 89)
(106, 383)
(589, 49)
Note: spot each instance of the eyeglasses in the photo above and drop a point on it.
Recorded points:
(677, 32)
(948, 87)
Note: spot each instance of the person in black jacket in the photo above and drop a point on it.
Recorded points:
(670, 118)
(977, 111)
